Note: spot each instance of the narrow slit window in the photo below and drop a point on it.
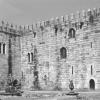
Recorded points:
(91, 44)
(28, 57)
(22, 75)
(31, 56)
(72, 70)
(91, 70)
(3, 48)
(0, 47)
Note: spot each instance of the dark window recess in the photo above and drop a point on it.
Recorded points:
(91, 19)
(36, 79)
(36, 73)
(61, 29)
(28, 57)
(15, 82)
(3, 48)
(15, 38)
(81, 24)
(66, 32)
(22, 75)
(91, 44)
(31, 56)
(56, 28)
(47, 23)
(0, 47)
(63, 52)
(34, 34)
(71, 33)
(91, 70)
(72, 70)
(42, 28)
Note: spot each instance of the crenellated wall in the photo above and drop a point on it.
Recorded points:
(48, 54)
(72, 20)
(79, 35)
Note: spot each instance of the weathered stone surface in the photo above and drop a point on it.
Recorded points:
(38, 55)
(82, 53)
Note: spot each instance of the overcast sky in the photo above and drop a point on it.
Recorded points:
(31, 11)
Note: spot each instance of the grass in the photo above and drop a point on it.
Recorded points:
(89, 95)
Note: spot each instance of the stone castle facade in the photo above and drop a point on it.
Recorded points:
(47, 55)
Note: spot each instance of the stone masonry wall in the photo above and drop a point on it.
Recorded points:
(6, 34)
(82, 60)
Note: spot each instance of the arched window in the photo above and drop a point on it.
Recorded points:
(3, 48)
(92, 84)
(71, 33)
(63, 52)
(28, 57)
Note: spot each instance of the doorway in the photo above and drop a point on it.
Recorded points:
(92, 84)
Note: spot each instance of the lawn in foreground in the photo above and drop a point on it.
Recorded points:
(82, 96)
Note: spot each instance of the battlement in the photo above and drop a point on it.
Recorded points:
(67, 20)
(9, 28)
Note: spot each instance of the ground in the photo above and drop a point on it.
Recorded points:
(55, 95)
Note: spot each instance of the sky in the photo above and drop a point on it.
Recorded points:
(27, 12)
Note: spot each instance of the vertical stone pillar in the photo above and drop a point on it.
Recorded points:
(16, 27)
(99, 12)
(78, 19)
(83, 15)
(32, 27)
(95, 12)
(62, 20)
(7, 26)
(72, 17)
(67, 20)
(2, 26)
(20, 28)
(52, 22)
(57, 20)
